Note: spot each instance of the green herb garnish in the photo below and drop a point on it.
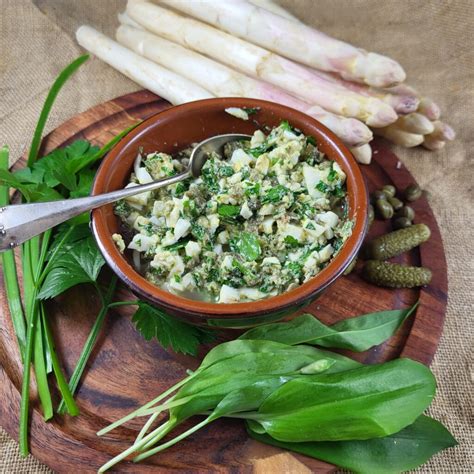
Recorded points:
(322, 186)
(291, 241)
(275, 194)
(228, 210)
(247, 245)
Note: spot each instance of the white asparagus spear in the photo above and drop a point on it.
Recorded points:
(433, 144)
(363, 154)
(400, 137)
(427, 106)
(294, 40)
(442, 131)
(415, 123)
(157, 79)
(274, 8)
(262, 64)
(124, 19)
(401, 103)
(223, 81)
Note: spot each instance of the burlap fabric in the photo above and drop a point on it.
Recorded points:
(434, 42)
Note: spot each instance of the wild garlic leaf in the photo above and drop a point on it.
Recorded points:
(81, 264)
(228, 210)
(170, 332)
(400, 452)
(368, 402)
(247, 245)
(357, 334)
(229, 349)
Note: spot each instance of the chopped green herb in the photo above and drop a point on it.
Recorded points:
(225, 171)
(286, 126)
(247, 245)
(177, 245)
(291, 241)
(180, 189)
(252, 189)
(295, 268)
(338, 191)
(228, 210)
(251, 110)
(198, 231)
(332, 175)
(322, 186)
(275, 194)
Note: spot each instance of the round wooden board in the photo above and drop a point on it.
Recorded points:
(125, 371)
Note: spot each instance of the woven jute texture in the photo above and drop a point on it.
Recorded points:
(433, 40)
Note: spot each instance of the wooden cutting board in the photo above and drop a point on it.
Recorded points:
(125, 371)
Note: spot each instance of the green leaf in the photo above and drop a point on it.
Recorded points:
(291, 241)
(41, 193)
(27, 175)
(332, 175)
(357, 334)
(228, 210)
(71, 234)
(63, 174)
(400, 452)
(247, 245)
(275, 194)
(216, 381)
(177, 245)
(322, 186)
(368, 402)
(285, 125)
(248, 398)
(170, 332)
(81, 264)
(84, 185)
(251, 110)
(94, 153)
(8, 179)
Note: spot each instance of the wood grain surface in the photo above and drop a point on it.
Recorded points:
(125, 371)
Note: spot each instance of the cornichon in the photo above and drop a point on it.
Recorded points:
(397, 242)
(394, 275)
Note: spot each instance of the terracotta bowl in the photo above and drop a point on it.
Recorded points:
(175, 129)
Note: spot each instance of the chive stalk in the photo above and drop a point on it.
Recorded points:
(10, 276)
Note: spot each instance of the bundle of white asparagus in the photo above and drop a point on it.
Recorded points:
(189, 50)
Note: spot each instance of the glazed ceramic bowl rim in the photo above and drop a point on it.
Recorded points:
(358, 208)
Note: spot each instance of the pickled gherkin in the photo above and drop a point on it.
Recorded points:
(397, 242)
(393, 275)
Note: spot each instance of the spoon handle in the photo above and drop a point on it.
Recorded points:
(21, 222)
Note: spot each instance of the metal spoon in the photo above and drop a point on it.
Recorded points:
(21, 222)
